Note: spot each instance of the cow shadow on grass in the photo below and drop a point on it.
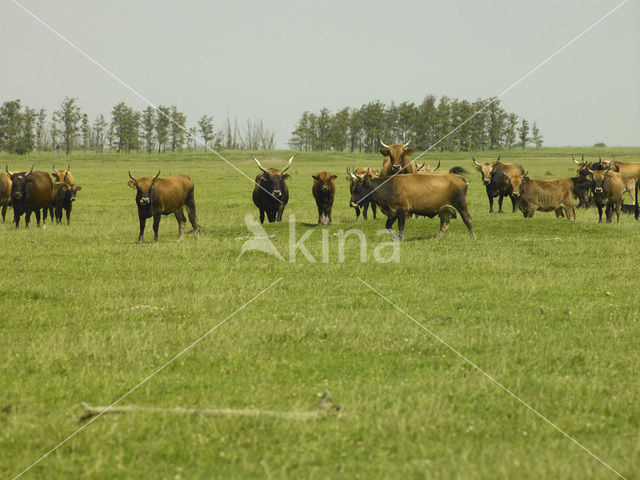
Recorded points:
(421, 238)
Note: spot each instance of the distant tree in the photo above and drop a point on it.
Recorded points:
(523, 134)
(85, 128)
(55, 132)
(205, 127)
(423, 131)
(41, 129)
(599, 144)
(28, 139)
(337, 135)
(355, 130)
(163, 117)
(100, 131)
(69, 116)
(496, 123)
(192, 139)
(148, 126)
(510, 130)
(302, 138)
(11, 126)
(177, 127)
(535, 135)
(125, 124)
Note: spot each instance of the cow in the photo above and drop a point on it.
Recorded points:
(607, 187)
(5, 192)
(396, 159)
(62, 198)
(162, 196)
(495, 179)
(324, 190)
(30, 192)
(351, 178)
(629, 174)
(427, 195)
(63, 175)
(271, 193)
(544, 195)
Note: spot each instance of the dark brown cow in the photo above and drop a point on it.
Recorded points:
(397, 159)
(162, 196)
(324, 190)
(5, 192)
(495, 179)
(607, 187)
(351, 178)
(544, 195)
(30, 192)
(62, 198)
(427, 195)
(271, 193)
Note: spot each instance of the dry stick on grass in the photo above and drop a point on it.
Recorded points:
(325, 407)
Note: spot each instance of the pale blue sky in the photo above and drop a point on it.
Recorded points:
(273, 60)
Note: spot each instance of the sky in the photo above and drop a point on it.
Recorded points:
(272, 60)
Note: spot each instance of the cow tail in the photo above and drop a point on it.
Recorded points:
(637, 213)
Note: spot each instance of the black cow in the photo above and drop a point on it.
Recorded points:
(271, 193)
(62, 198)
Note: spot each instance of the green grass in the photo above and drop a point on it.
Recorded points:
(410, 407)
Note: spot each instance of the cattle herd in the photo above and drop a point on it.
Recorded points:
(399, 189)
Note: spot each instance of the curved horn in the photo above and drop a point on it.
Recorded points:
(383, 144)
(404, 146)
(420, 167)
(288, 164)
(351, 175)
(67, 170)
(474, 161)
(583, 157)
(54, 167)
(259, 165)
(575, 160)
(497, 160)
(437, 166)
(131, 177)
(157, 175)
(359, 176)
(31, 169)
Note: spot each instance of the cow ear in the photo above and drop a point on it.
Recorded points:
(78, 188)
(385, 152)
(408, 151)
(348, 178)
(315, 177)
(132, 184)
(333, 177)
(286, 175)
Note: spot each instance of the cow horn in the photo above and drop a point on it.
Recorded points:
(288, 164)
(359, 176)
(583, 157)
(54, 168)
(420, 167)
(31, 169)
(406, 144)
(350, 173)
(68, 168)
(259, 165)
(474, 161)
(157, 175)
(6, 167)
(383, 144)
(131, 176)
(497, 160)
(437, 166)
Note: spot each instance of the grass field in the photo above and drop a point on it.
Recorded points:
(547, 307)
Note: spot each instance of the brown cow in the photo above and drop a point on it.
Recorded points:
(162, 196)
(30, 192)
(5, 192)
(544, 195)
(351, 178)
(629, 174)
(495, 179)
(397, 159)
(427, 195)
(63, 175)
(324, 190)
(607, 187)
(271, 193)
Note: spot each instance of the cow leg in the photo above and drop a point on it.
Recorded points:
(466, 217)
(271, 216)
(599, 213)
(559, 212)
(329, 215)
(193, 219)
(373, 209)
(490, 203)
(500, 199)
(143, 222)
(68, 212)
(182, 221)
(609, 212)
(16, 217)
(156, 226)
(261, 216)
(4, 211)
(27, 218)
(279, 213)
(514, 203)
(389, 224)
(365, 210)
(618, 208)
(319, 215)
(401, 215)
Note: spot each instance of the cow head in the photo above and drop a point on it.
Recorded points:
(325, 180)
(145, 187)
(515, 183)
(597, 178)
(62, 175)
(398, 154)
(486, 170)
(272, 179)
(66, 192)
(360, 186)
(19, 182)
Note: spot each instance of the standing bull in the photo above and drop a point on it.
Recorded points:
(271, 193)
(351, 178)
(5, 192)
(607, 187)
(495, 179)
(30, 192)
(324, 190)
(397, 159)
(62, 198)
(629, 174)
(544, 195)
(162, 196)
(427, 195)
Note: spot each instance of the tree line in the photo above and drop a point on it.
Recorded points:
(426, 125)
(24, 130)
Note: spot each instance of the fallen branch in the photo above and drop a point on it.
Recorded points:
(325, 407)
